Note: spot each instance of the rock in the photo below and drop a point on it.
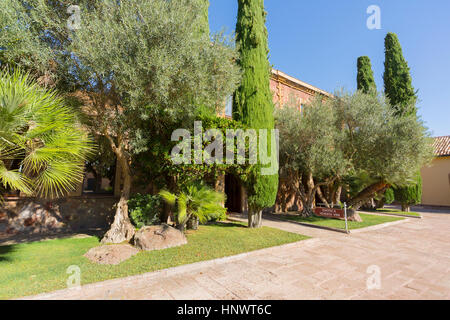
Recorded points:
(111, 254)
(353, 216)
(159, 237)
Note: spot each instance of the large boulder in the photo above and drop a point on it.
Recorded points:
(353, 215)
(159, 237)
(111, 254)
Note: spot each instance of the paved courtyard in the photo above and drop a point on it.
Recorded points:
(412, 259)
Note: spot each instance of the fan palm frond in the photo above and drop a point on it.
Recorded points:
(196, 200)
(37, 129)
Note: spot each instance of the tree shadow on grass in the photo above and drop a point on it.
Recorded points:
(295, 217)
(229, 224)
(5, 251)
(30, 237)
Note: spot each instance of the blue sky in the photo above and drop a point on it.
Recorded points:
(319, 41)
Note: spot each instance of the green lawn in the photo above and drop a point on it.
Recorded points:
(32, 268)
(368, 220)
(396, 211)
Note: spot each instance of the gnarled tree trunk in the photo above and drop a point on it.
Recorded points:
(323, 198)
(357, 201)
(121, 230)
(337, 195)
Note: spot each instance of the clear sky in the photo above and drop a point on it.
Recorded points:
(319, 41)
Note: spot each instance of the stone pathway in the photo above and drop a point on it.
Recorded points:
(412, 258)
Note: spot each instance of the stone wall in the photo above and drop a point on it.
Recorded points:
(72, 214)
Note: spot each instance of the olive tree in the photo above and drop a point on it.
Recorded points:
(129, 62)
(349, 137)
(388, 149)
(310, 148)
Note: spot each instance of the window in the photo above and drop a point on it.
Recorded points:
(100, 174)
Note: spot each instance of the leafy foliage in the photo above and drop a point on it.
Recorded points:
(310, 141)
(198, 201)
(204, 17)
(40, 132)
(145, 209)
(410, 194)
(384, 146)
(135, 67)
(156, 164)
(355, 138)
(389, 196)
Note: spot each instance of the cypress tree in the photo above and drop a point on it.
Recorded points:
(401, 94)
(253, 104)
(397, 79)
(364, 78)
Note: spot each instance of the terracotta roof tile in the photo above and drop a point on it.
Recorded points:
(442, 146)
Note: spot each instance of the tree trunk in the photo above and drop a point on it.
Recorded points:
(254, 218)
(369, 204)
(322, 198)
(165, 213)
(406, 207)
(357, 201)
(380, 203)
(307, 211)
(192, 223)
(121, 230)
(337, 195)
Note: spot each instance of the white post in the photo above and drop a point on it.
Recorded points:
(345, 212)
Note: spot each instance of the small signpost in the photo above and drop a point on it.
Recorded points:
(333, 213)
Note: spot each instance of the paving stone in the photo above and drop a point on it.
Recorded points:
(413, 257)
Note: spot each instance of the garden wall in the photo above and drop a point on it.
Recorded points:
(73, 214)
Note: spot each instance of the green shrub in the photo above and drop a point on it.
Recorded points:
(411, 194)
(389, 196)
(196, 201)
(145, 209)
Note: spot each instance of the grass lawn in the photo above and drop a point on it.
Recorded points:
(368, 220)
(32, 268)
(396, 211)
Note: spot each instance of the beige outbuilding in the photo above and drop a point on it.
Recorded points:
(436, 178)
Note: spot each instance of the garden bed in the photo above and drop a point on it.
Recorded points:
(38, 267)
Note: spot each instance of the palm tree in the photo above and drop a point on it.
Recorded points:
(40, 134)
(196, 201)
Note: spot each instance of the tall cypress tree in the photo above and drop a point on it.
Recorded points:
(253, 104)
(397, 79)
(398, 88)
(364, 78)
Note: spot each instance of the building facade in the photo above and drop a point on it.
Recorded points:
(436, 177)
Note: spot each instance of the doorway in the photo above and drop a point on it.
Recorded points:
(233, 192)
